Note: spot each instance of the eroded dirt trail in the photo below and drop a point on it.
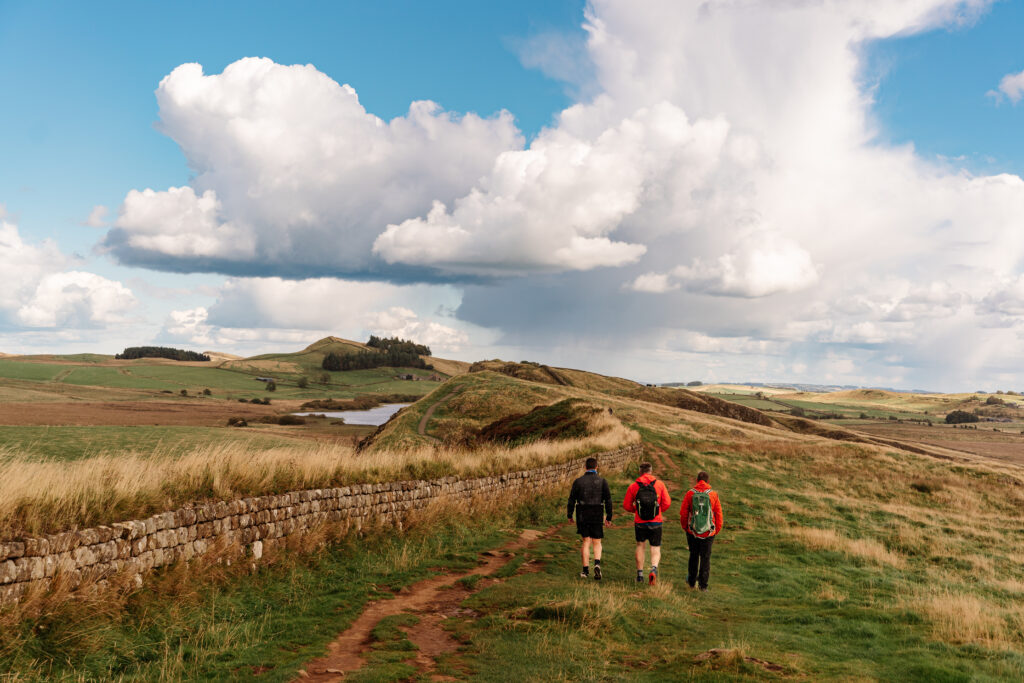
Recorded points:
(432, 600)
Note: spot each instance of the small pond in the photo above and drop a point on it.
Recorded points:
(373, 416)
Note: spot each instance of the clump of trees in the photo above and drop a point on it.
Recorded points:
(388, 343)
(394, 353)
(960, 417)
(133, 352)
(695, 383)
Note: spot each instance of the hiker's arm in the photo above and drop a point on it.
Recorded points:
(627, 502)
(666, 500)
(606, 496)
(716, 508)
(684, 511)
(571, 506)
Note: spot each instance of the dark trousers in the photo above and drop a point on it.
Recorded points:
(700, 560)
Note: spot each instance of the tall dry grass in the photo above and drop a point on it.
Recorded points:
(46, 496)
(864, 548)
(962, 618)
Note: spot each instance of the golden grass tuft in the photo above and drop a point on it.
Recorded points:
(962, 618)
(829, 539)
(830, 593)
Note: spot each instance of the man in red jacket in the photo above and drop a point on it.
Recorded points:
(701, 517)
(647, 497)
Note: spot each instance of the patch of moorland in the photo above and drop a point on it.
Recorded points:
(545, 374)
(837, 561)
(570, 418)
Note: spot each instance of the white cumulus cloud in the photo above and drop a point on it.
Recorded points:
(39, 291)
(253, 313)
(292, 173)
(1011, 86)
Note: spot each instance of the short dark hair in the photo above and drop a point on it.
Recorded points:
(591, 463)
(702, 476)
(645, 467)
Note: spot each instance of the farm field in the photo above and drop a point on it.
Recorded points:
(1006, 444)
(72, 443)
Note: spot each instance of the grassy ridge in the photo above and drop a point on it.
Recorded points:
(820, 570)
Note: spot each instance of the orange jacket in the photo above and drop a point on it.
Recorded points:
(629, 503)
(716, 510)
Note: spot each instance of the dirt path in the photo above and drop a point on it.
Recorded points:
(432, 600)
(665, 468)
(422, 428)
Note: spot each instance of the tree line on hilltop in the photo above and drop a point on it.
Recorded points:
(393, 353)
(133, 352)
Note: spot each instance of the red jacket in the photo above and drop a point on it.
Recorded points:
(629, 504)
(716, 510)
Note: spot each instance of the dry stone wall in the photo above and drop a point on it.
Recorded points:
(131, 549)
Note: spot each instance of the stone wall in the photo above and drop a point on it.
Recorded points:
(131, 549)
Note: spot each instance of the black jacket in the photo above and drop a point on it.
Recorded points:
(588, 494)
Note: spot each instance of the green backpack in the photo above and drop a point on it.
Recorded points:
(702, 519)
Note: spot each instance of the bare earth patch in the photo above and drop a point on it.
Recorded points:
(433, 600)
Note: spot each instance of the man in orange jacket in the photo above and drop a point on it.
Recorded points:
(701, 517)
(647, 497)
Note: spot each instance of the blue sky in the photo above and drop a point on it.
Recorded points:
(692, 214)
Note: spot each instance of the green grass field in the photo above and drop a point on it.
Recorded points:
(222, 382)
(39, 372)
(75, 442)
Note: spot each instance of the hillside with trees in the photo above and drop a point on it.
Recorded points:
(393, 353)
(134, 352)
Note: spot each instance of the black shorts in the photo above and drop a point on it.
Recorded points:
(651, 534)
(590, 529)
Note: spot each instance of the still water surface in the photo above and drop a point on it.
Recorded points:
(373, 416)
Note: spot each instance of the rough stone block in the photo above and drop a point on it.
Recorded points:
(84, 556)
(36, 547)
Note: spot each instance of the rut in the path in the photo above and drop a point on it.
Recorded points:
(433, 600)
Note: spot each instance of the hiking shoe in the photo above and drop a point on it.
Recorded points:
(584, 574)
(597, 572)
(652, 578)
(639, 578)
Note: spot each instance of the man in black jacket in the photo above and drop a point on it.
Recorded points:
(589, 494)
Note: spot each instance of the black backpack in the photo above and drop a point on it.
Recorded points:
(647, 504)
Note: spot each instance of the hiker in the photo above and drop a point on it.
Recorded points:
(701, 517)
(589, 494)
(647, 497)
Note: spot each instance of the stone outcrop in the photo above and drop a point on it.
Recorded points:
(129, 550)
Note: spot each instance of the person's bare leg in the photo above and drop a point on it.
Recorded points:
(655, 555)
(585, 551)
(639, 556)
(597, 549)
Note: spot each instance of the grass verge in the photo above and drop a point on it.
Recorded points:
(239, 622)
